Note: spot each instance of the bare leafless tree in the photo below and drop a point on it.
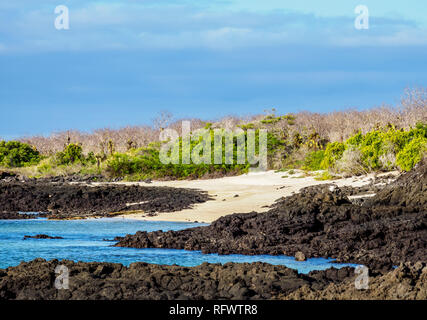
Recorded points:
(333, 126)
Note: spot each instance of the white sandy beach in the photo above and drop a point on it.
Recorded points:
(238, 194)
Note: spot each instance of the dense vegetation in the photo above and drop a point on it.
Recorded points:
(377, 150)
(17, 154)
(350, 142)
(145, 162)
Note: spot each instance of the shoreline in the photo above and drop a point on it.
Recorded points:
(316, 220)
(244, 193)
(257, 281)
(378, 231)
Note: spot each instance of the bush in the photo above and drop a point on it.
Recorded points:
(145, 161)
(121, 164)
(91, 158)
(45, 166)
(17, 154)
(371, 148)
(351, 162)
(420, 130)
(333, 152)
(377, 150)
(72, 153)
(380, 148)
(412, 153)
(355, 140)
(313, 160)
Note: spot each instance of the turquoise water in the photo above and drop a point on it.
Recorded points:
(83, 241)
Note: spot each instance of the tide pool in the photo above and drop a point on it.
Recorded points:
(84, 241)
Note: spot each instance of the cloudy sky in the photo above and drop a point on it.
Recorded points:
(122, 61)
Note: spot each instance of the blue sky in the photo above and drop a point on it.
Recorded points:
(121, 62)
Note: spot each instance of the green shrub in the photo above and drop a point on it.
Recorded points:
(121, 164)
(145, 162)
(73, 153)
(45, 166)
(377, 150)
(412, 153)
(371, 149)
(17, 154)
(355, 140)
(91, 158)
(313, 160)
(420, 130)
(333, 152)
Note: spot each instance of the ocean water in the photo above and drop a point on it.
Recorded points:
(84, 241)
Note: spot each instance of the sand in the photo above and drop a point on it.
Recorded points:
(239, 194)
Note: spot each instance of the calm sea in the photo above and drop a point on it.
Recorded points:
(84, 240)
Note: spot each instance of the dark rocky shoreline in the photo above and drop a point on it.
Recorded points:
(65, 201)
(35, 280)
(383, 231)
(7, 176)
(20, 216)
(388, 229)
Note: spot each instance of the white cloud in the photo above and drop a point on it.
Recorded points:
(136, 25)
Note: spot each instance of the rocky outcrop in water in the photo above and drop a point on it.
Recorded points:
(63, 200)
(35, 280)
(42, 236)
(319, 221)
